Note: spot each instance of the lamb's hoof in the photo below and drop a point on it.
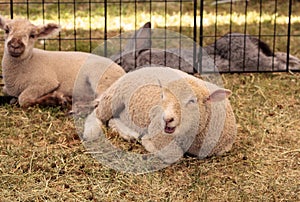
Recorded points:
(8, 100)
(294, 63)
(59, 98)
(118, 127)
(13, 101)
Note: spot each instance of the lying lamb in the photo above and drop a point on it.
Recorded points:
(170, 111)
(41, 77)
(231, 52)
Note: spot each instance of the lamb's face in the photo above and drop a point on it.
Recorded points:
(171, 112)
(177, 117)
(148, 97)
(130, 61)
(20, 36)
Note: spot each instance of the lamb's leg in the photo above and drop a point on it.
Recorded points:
(106, 107)
(92, 128)
(125, 132)
(38, 93)
(4, 90)
(53, 99)
(294, 62)
(8, 99)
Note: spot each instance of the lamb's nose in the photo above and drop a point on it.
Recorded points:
(15, 43)
(168, 119)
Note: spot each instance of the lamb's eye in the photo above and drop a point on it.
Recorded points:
(162, 96)
(192, 101)
(6, 30)
(32, 35)
(119, 62)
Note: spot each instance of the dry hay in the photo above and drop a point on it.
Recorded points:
(42, 158)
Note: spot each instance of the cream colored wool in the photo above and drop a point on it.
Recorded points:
(170, 111)
(31, 74)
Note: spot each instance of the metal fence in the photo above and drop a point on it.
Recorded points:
(88, 23)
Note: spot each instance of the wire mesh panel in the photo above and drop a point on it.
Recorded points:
(261, 28)
(264, 24)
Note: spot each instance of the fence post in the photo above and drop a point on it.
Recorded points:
(289, 37)
(195, 37)
(11, 9)
(105, 28)
(200, 54)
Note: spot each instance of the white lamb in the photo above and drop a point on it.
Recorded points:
(170, 111)
(40, 77)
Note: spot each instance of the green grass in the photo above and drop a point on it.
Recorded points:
(42, 158)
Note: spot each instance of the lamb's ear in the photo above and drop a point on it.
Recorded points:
(2, 22)
(218, 95)
(48, 30)
(141, 40)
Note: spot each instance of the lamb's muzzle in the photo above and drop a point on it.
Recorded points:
(15, 47)
(168, 128)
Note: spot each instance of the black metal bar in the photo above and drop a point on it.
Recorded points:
(201, 23)
(180, 33)
(11, 9)
(200, 54)
(96, 1)
(195, 38)
(120, 28)
(90, 25)
(158, 37)
(135, 29)
(105, 28)
(150, 11)
(259, 33)
(165, 35)
(216, 32)
(245, 33)
(274, 33)
(289, 37)
(43, 10)
(58, 17)
(74, 25)
(230, 31)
